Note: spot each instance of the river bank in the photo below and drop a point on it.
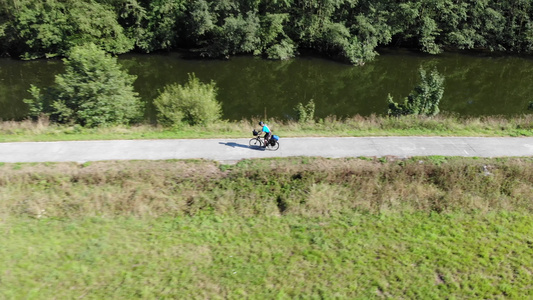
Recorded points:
(358, 126)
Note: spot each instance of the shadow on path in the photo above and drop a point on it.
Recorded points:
(235, 145)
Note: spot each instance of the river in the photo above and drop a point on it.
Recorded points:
(475, 85)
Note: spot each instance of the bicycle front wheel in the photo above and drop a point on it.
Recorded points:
(256, 143)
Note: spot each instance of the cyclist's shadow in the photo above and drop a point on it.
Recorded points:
(236, 145)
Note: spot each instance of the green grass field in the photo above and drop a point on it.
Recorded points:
(356, 255)
(422, 228)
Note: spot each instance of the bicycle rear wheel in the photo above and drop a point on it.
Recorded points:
(256, 143)
(275, 147)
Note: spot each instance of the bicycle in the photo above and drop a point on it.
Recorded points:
(258, 142)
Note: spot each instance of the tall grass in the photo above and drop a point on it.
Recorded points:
(297, 187)
(444, 125)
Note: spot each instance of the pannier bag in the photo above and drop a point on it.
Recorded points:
(273, 140)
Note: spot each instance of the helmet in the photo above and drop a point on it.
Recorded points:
(261, 123)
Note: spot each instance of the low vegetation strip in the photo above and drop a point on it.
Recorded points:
(426, 227)
(440, 125)
(294, 186)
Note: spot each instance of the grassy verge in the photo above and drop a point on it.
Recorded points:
(295, 187)
(357, 126)
(431, 227)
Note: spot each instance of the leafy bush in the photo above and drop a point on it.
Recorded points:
(93, 91)
(423, 100)
(193, 103)
(306, 112)
(284, 50)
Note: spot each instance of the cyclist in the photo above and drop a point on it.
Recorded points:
(267, 132)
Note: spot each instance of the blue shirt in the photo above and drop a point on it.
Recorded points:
(265, 129)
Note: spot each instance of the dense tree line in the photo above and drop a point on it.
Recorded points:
(349, 30)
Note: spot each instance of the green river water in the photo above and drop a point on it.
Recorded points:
(475, 85)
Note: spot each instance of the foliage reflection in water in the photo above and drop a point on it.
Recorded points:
(475, 85)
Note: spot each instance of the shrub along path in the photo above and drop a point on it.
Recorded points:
(230, 150)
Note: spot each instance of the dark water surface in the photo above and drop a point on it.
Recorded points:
(248, 87)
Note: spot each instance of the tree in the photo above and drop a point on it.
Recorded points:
(275, 42)
(423, 100)
(93, 91)
(193, 103)
(238, 35)
(154, 26)
(50, 28)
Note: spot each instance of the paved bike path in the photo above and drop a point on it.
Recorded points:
(228, 150)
